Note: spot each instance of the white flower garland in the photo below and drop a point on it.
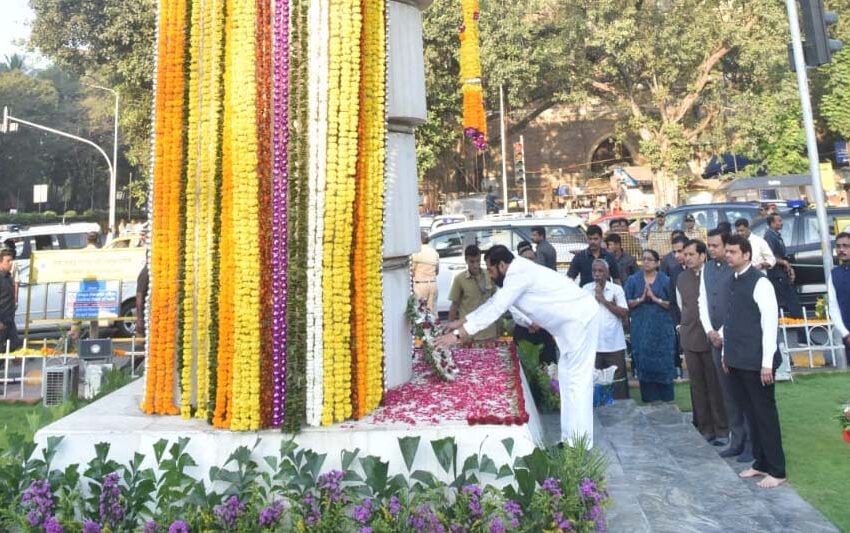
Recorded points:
(426, 329)
(319, 34)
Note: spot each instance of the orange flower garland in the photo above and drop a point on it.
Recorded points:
(165, 235)
(474, 119)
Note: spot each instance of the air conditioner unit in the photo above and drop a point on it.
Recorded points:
(60, 384)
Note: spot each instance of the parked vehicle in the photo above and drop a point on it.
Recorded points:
(801, 233)
(565, 234)
(634, 220)
(47, 299)
(706, 215)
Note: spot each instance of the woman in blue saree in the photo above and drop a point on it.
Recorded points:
(653, 334)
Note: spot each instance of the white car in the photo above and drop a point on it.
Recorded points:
(565, 234)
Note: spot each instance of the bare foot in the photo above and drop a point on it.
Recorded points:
(771, 482)
(752, 472)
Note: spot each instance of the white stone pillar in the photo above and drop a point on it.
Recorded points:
(406, 109)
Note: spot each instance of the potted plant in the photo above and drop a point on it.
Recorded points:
(844, 419)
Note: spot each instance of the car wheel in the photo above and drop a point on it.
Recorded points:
(127, 328)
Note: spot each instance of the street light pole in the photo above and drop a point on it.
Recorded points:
(113, 178)
(10, 124)
(811, 140)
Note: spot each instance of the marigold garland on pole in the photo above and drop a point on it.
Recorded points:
(269, 154)
(474, 118)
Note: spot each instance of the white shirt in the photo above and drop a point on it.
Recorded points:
(835, 311)
(611, 336)
(761, 252)
(552, 301)
(765, 299)
(702, 301)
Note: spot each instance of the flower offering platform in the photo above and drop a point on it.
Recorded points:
(485, 404)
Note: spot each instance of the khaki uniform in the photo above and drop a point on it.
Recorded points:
(424, 268)
(469, 292)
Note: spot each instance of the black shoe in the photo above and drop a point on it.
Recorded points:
(721, 441)
(746, 457)
(731, 452)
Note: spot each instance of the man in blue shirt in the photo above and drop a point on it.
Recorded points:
(839, 291)
(582, 265)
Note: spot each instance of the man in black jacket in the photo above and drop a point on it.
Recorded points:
(8, 331)
(750, 356)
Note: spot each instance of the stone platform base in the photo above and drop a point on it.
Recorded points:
(117, 419)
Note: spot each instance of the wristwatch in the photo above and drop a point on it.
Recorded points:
(456, 333)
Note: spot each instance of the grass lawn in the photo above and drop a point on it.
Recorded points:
(26, 419)
(817, 459)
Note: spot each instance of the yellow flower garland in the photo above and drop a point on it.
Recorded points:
(242, 91)
(343, 109)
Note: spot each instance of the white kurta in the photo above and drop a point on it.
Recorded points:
(558, 305)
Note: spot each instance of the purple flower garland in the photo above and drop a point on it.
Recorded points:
(280, 184)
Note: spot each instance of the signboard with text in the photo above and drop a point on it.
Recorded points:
(56, 266)
(92, 299)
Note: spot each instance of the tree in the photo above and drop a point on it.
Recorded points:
(111, 43)
(12, 62)
(671, 68)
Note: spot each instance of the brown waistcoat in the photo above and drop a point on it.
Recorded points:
(691, 333)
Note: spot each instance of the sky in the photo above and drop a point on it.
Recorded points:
(14, 27)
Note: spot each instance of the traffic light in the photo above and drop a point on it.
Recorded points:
(519, 161)
(818, 47)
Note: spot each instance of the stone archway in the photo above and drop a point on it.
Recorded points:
(607, 151)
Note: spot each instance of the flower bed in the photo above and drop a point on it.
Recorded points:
(487, 389)
(553, 490)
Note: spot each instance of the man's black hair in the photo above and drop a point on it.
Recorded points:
(497, 254)
(679, 239)
(742, 223)
(724, 236)
(725, 227)
(523, 246)
(701, 248)
(472, 251)
(737, 240)
(613, 237)
(539, 229)
(4, 252)
(771, 217)
(593, 229)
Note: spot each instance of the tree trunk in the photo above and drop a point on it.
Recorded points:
(666, 188)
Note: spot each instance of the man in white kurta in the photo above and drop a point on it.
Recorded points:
(552, 302)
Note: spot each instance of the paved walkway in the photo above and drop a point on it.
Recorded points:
(663, 476)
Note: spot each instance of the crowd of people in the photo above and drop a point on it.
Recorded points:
(713, 298)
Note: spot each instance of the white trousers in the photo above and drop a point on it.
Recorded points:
(575, 380)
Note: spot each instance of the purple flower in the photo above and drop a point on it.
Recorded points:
(587, 488)
(178, 526)
(229, 512)
(38, 499)
(473, 490)
(597, 515)
(111, 510)
(51, 525)
(365, 530)
(331, 484)
(496, 526)
(395, 506)
(362, 513)
(270, 516)
(423, 520)
(90, 526)
(151, 527)
(314, 513)
(553, 486)
(562, 523)
(555, 386)
(514, 512)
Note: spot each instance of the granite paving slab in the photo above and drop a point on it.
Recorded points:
(663, 476)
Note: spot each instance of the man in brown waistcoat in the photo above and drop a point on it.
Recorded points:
(709, 410)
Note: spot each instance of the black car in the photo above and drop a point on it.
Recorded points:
(801, 234)
(706, 216)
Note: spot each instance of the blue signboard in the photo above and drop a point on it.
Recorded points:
(92, 299)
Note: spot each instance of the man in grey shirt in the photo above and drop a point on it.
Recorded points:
(545, 254)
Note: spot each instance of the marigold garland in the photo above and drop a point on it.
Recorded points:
(343, 108)
(276, 125)
(368, 228)
(165, 212)
(474, 119)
